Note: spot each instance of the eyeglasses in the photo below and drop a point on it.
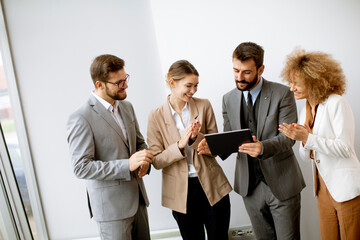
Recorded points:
(120, 83)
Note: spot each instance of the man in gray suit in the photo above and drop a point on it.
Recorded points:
(108, 150)
(267, 174)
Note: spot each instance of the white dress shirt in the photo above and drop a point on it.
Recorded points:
(181, 124)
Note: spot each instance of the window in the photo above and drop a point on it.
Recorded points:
(18, 182)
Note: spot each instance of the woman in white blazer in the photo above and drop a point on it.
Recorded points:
(327, 140)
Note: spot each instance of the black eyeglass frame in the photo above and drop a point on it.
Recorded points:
(120, 83)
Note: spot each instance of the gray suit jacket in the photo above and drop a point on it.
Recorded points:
(100, 153)
(278, 163)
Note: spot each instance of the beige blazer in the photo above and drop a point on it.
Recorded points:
(162, 138)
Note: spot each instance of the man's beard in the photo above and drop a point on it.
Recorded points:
(115, 96)
(249, 85)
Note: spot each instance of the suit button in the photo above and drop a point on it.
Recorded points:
(317, 161)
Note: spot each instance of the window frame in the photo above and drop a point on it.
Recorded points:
(21, 132)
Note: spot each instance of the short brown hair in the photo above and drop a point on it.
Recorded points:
(318, 72)
(179, 69)
(103, 65)
(249, 50)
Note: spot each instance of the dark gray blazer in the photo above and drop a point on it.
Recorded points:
(100, 154)
(278, 163)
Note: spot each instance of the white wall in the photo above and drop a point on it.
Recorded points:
(54, 42)
(206, 33)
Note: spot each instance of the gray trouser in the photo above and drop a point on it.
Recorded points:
(134, 228)
(272, 218)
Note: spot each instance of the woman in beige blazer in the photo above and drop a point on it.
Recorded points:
(193, 186)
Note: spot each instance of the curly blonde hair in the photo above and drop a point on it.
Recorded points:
(318, 72)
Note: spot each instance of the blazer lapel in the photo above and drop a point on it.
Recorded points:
(318, 117)
(105, 115)
(264, 104)
(127, 123)
(234, 110)
(170, 122)
(194, 112)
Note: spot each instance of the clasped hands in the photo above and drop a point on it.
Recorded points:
(141, 160)
(190, 132)
(254, 149)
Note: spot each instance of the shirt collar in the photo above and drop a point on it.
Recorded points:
(105, 103)
(255, 91)
(173, 112)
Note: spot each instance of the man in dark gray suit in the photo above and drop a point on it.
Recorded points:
(108, 150)
(267, 174)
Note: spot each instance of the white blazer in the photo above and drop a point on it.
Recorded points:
(332, 141)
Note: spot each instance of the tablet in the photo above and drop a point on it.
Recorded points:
(228, 142)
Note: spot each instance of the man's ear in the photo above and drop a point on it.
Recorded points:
(99, 84)
(261, 70)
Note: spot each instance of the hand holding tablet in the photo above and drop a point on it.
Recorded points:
(224, 143)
